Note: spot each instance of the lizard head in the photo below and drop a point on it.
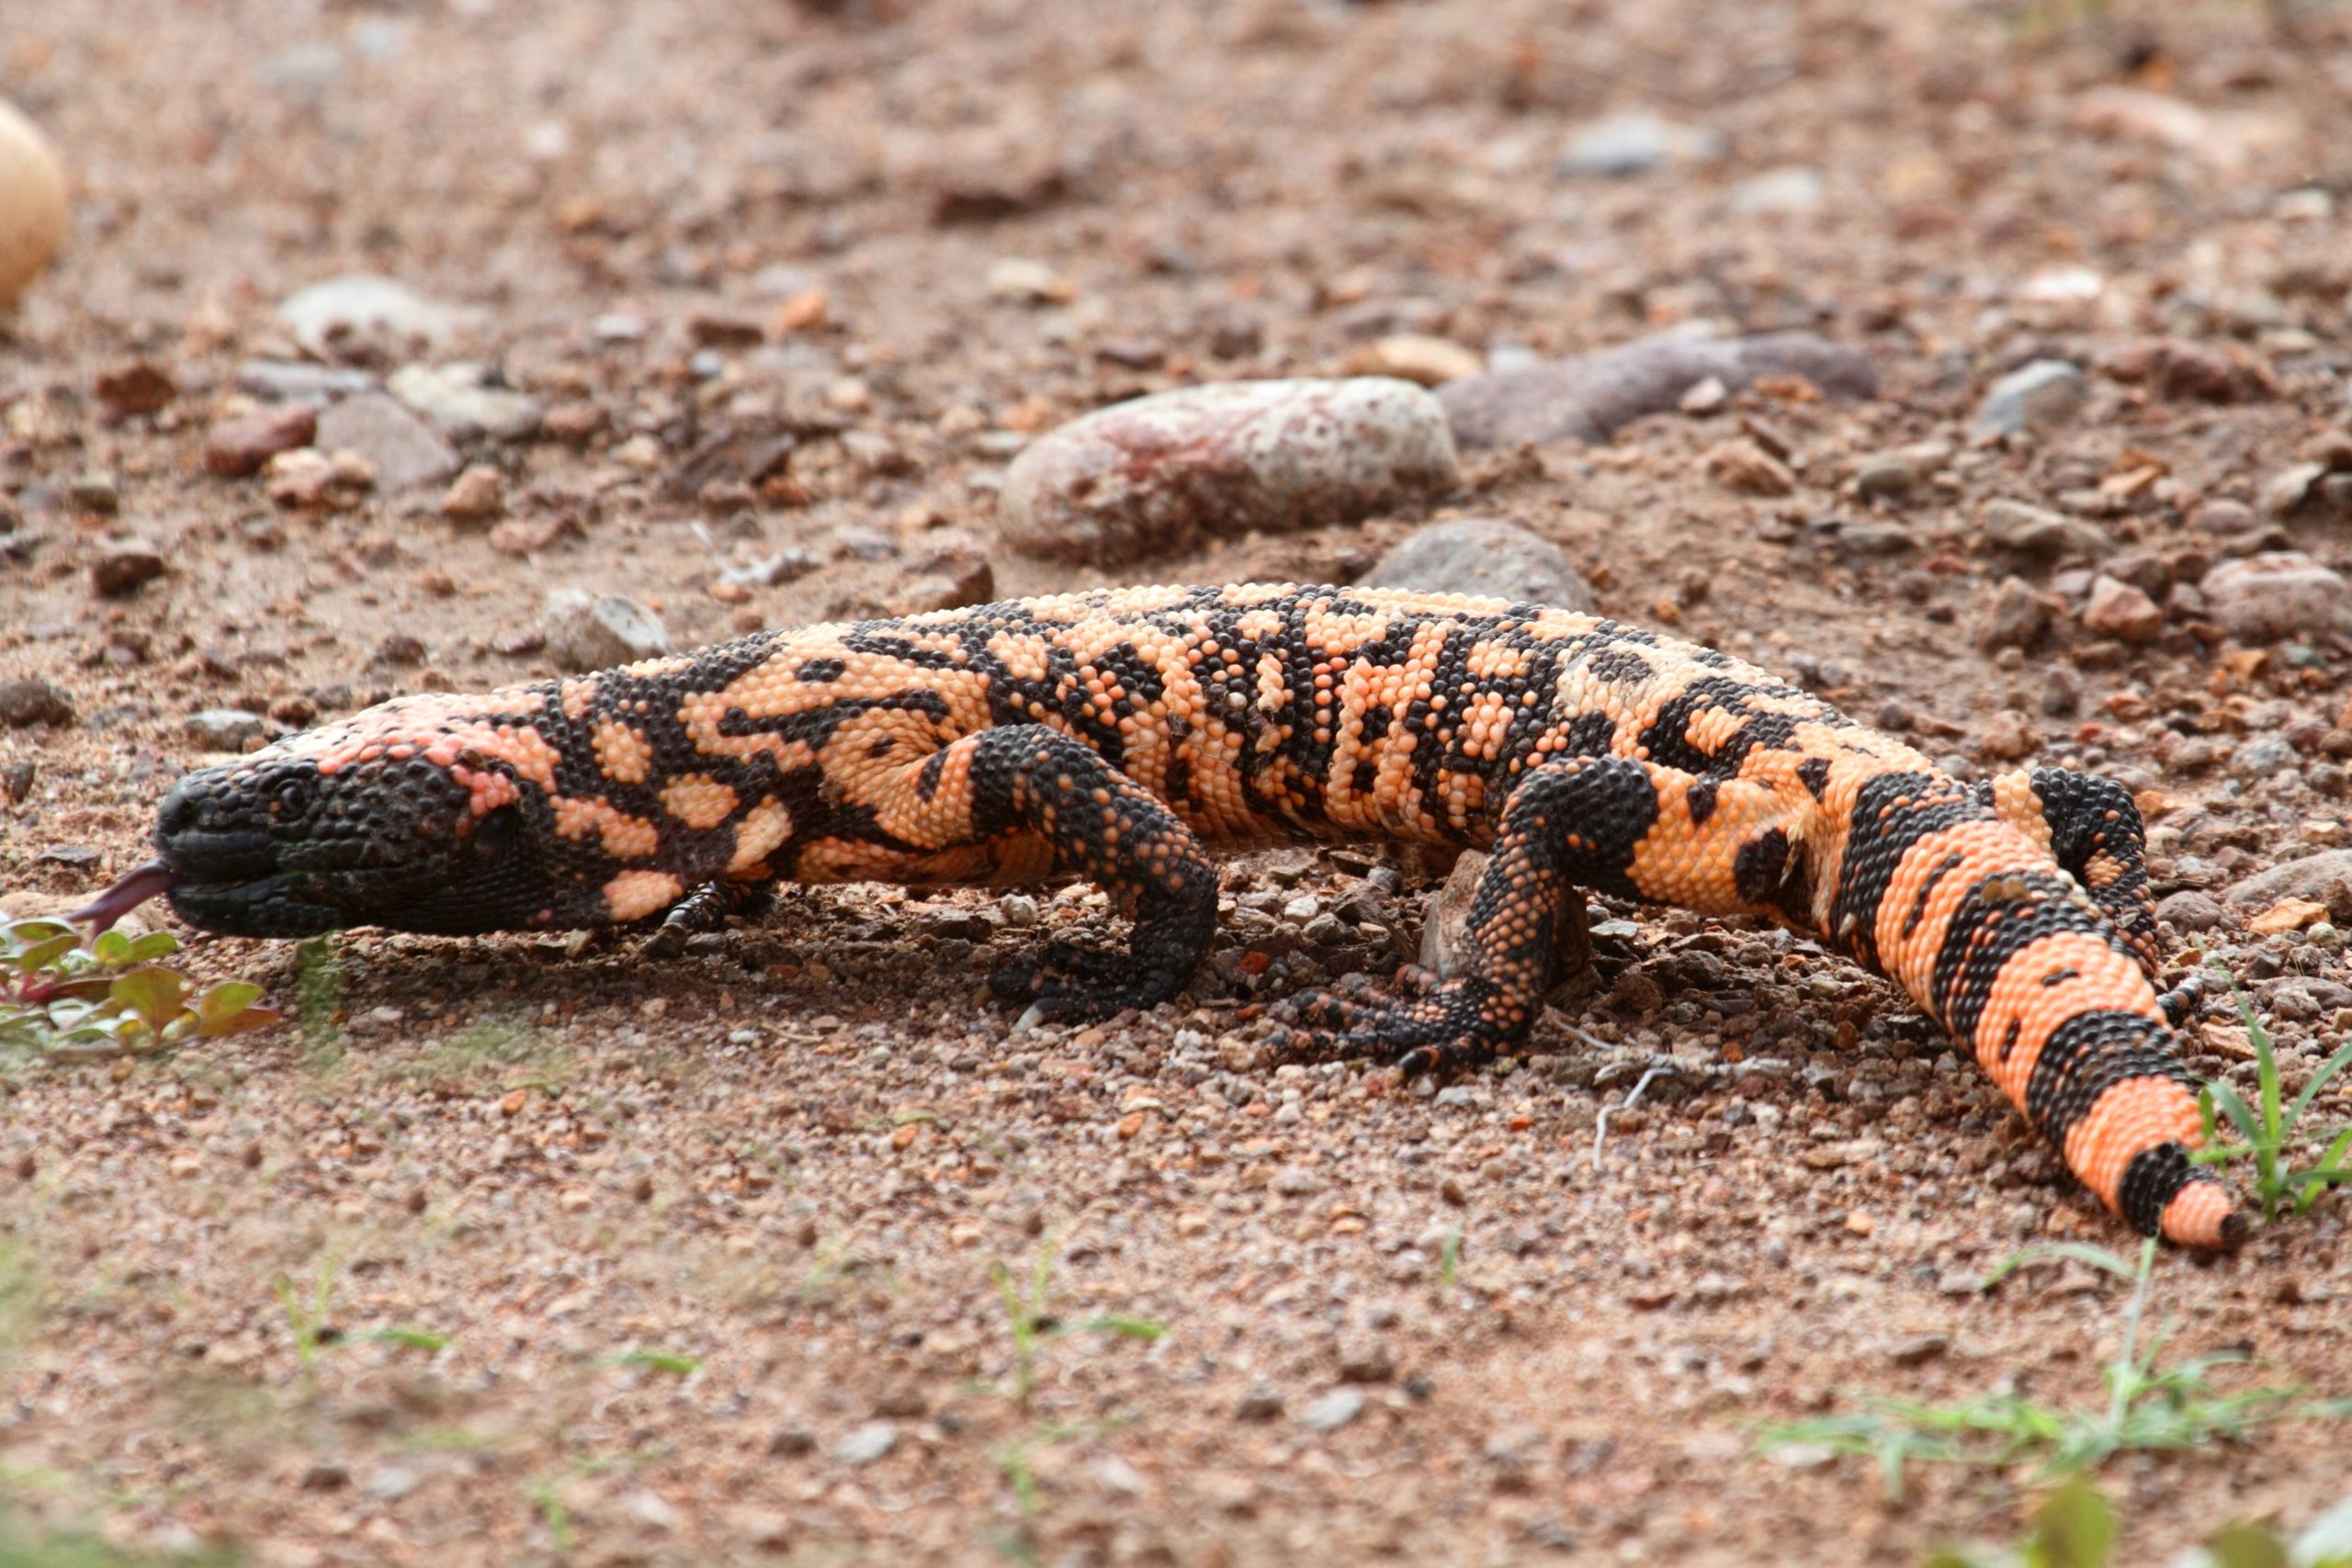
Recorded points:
(410, 815)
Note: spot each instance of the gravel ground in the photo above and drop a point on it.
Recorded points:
(767, 297)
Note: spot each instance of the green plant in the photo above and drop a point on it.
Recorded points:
(110, 999)
(309, 1318)
(19, 1549)
(318, 1001)
(2147, 1407)
(1031, 1325)
(2269, 1127)
(656, 1361)
(2073, 1526)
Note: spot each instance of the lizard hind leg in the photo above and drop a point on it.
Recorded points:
(706, 908)
(2093, 830)
(1568, 826)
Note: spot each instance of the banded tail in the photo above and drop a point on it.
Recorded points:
(2017, 915)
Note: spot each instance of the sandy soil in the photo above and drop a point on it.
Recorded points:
(710, 1242)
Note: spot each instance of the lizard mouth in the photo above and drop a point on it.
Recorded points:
(269, 904)
(125, 895)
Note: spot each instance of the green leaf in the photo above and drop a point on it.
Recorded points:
(409, 1339)
(153, 945)
(2073, 1529)
(2247, 1546)
(244, 1022)
(2234, 1106)
(1131, 1327)
(2328, 1069)
(157, 995)
(2069, 1251)
(112, 949)
(42, 954)
(225, 1000)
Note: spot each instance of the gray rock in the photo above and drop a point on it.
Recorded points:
(2038, 397)
(462, 404)
(1635, 141)
(2323, 878)
(1333, 1411)
(2040, 534)
(298, 381)
(1589, 397)
(2190, 910)
(2275, 595)
(1484, 555)
(2261, 757)
(2286, 490)
(27, 701)
(1159, 474)
(867, 1444)
(597, 632)
(1862, 540)
(1784, 191)
(368, 305)
(401, 448)
(1885, 478)
(225, 729)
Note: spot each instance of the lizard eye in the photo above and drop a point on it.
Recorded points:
(498, 831)
(292, 798)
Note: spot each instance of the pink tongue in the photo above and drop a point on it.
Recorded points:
(124, 897)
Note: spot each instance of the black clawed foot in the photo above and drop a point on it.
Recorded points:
(2185, 1001)
(1425, 1025)
(706, 910)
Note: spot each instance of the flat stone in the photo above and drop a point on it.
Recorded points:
(402, 449)
(1635, 141)
(1589, 397)
(2324, 878)
(299, 381)
(2039, 534)
(2190, 910)
(1333, 1411)
(1159, 474)
(597, 632)
(1486, 557)
(2038, 397)
(240, 447)
(368, 305)
(464, 404)
(1783, 192)
(1416, 357)
(2275, 595)
(27, 701)
(225, 729)
(866, 1444)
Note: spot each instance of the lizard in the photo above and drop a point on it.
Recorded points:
(1112, 735)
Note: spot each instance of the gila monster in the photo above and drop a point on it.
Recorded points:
(1110, 735)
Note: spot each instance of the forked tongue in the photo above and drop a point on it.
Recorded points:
(133, 890)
